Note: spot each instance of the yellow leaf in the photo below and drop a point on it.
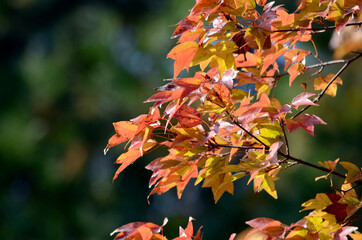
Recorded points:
(270, 132)
(321, 82)
(225, 185)
(263, 89)
(320, 202)
(221, 53)
(265, 182)
(353, 172)
(356, 235)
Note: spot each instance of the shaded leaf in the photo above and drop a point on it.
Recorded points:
(303, 99)
(306, 121)
(339, 210)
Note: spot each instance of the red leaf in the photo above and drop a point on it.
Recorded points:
(337, 209)
(188, 116)
(189, 23)
(302, 99)
(306, 121)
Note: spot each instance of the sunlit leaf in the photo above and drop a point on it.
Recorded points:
(321, 82)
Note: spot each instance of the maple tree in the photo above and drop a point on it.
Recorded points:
(224, 122)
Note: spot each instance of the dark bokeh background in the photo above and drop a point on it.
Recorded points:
(71, 68)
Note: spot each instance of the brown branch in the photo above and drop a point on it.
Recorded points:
(236, 122)
(282, 125)
(287, 156)
(238, 147)
(321, 94)
(316, 29)
(318, 65)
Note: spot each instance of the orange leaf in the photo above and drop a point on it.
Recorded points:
(125, 130)
(126, 159)
(183, 55)
(321, 82)
(130, 157)
(188, 116)
(293, 56)
(294, 71)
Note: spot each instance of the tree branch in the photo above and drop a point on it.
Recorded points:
(321, 94)
(287, 156)
(316, 29)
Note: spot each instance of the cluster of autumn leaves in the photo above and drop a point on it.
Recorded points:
(223, 123)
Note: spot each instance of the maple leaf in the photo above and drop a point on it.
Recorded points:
(273, 229)
(188, 24)
(259, 36)
(353, 172)
(295, 70)
(320, 202)
(343, 232)
(321, 82)
(306, 121)
(239, 40)
(187, 233)
(221, 53)
(356, 235)
(187, 173)
(271, 55)
(339, 210)
(302, 99)
(204, 7)
(125, 130)
(273, 153)
(188, 116)
(131, 156)
(265, 181)
(145, 229)
(295, 55)
(183, 54)
(330, 165)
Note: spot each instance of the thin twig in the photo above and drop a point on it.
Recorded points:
(316, 29)
(313, 29)
(282, 125)
(239, 147)
(287, 156)
(236, 122)
(318, 65)
(321, 94)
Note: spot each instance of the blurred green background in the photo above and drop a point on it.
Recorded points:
(71, 68)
